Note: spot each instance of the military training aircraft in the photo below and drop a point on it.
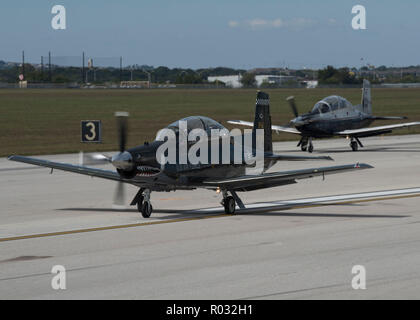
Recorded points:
(336, 116)
(138, 166)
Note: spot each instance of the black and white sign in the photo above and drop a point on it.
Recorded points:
(91, 131)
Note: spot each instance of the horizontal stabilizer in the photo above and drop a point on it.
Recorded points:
(279, 157)
(273, 127)
(388, 118)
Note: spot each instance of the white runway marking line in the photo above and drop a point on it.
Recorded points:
(328, 200)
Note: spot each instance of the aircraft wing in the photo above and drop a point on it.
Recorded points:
(273, 127)
(373, 131)
(93, 172)
(246, 183)
(280, 157)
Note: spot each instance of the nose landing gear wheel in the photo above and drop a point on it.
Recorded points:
(230, 205)
(140, 203)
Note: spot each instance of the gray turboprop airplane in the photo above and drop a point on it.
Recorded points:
(138, 166)
(336, 116)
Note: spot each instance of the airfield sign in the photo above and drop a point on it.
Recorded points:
(91, 131)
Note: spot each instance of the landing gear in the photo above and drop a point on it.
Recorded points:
(228, 203)
(303, 143)
(311, 146)
(146, 207)
(142, 200)
(355, 143)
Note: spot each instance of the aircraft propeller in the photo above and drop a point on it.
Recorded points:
(293, 106)
(122, 160)
(299, 120)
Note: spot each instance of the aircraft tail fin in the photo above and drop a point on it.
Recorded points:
(366, 97)
(263, 120)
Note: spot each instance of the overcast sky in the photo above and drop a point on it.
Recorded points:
(196, 33)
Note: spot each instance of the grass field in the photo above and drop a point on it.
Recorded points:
(48, 121)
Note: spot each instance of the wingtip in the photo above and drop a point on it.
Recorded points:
(363, 166)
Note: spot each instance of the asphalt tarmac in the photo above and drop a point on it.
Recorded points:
(292, 242)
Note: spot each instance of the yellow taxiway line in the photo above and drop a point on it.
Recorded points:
(141, 224)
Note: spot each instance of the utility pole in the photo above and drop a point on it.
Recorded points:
(120, 69)
(149, 77)
(23, 64)
(83, 67)
(42, 68)
(49, 67)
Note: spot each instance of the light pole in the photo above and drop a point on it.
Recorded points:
(149, 77)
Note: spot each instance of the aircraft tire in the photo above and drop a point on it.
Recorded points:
(311, 148)
(354, 145)
(230, 205)
(303, 148)
(140, 203)
(146, 210)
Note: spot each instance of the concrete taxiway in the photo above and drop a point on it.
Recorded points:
(297, 241)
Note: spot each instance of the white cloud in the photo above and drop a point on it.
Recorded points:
(258, 23)
(233, 24)
(332, 21)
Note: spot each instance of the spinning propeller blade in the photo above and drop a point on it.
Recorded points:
(293, 106)
(119, 196)
(122, 129)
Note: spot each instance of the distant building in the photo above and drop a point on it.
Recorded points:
(273, 79)
(311, 84)
(234, 81)
(230, 81)
(135, 84)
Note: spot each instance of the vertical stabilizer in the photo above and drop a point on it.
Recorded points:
(263, 119)
(366, 97)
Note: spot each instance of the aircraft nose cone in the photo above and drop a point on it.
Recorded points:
(122, 161)
(297, 121)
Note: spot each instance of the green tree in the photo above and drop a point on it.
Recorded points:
(248, 80)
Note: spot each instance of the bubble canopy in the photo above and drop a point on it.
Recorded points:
(331, 103)
(193, 122)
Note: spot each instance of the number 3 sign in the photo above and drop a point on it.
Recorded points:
(91, 131)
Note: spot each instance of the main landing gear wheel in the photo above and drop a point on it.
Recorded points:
(303, 147)
(146, 209)
(310, 145)
(311, 148)
(230, 205)
(354, 146)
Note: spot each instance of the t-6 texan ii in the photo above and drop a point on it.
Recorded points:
(139, 165)
(336, 116)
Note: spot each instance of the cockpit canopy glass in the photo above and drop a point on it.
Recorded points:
(331, 103)
(194, 122)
